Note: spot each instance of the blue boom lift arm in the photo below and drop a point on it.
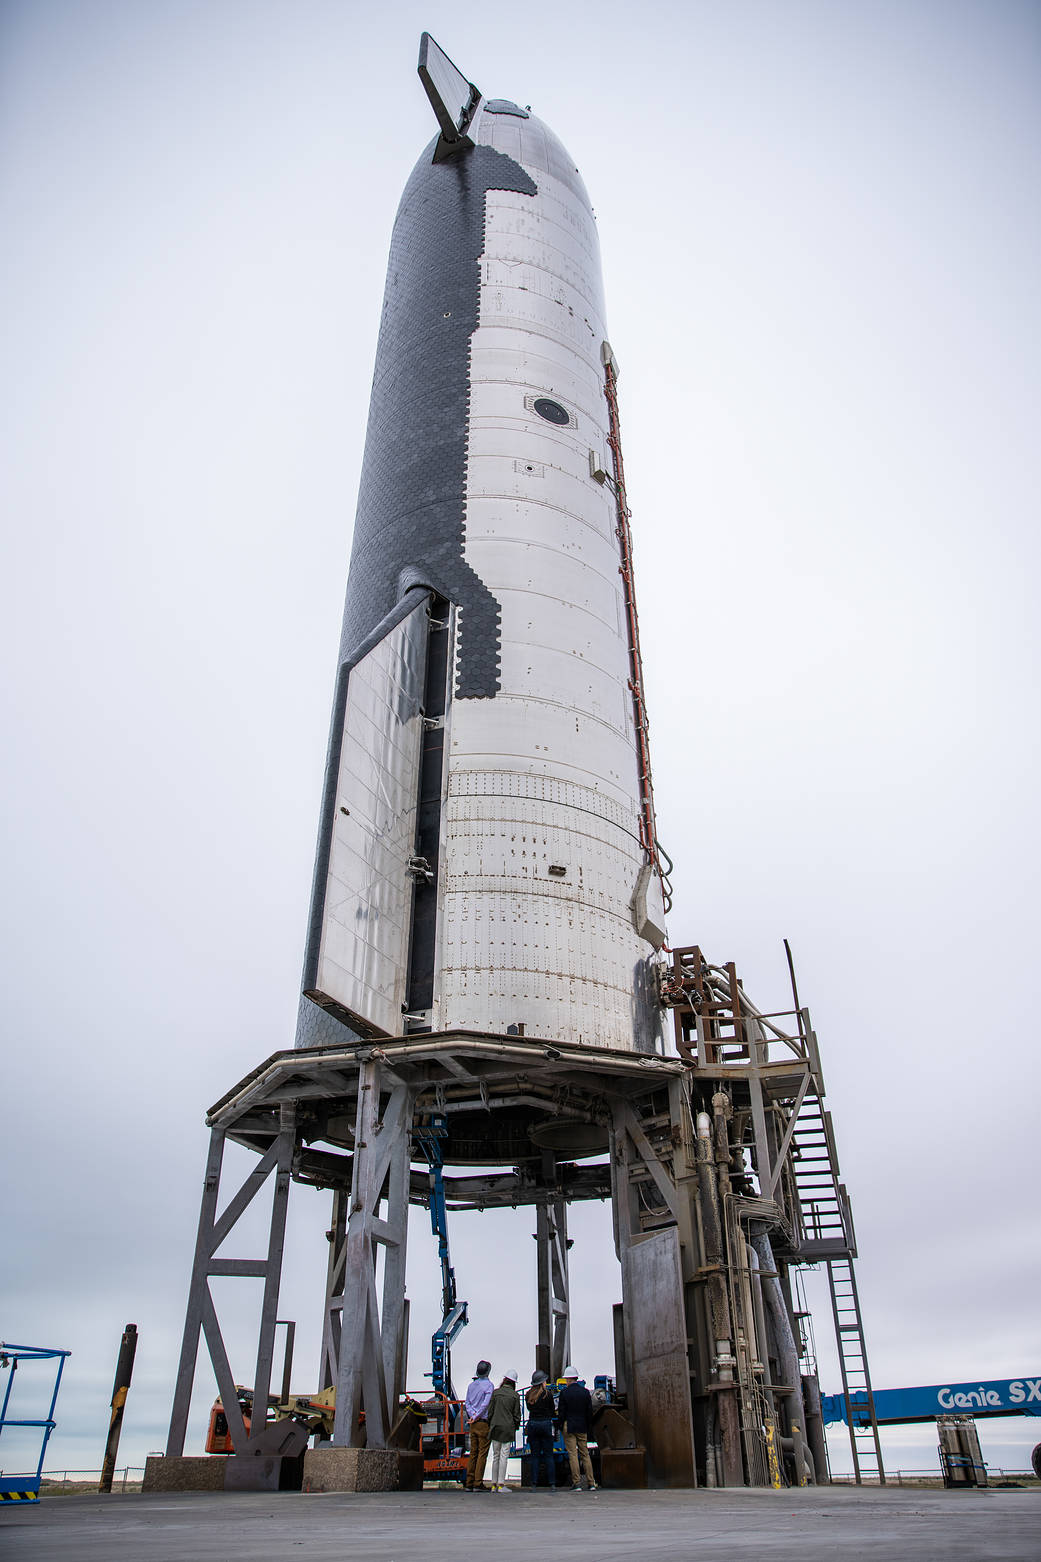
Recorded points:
(902, 1406)
(429, 1138)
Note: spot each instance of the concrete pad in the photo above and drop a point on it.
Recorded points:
(193, 1472)
(805, 1525)
(362, 1470)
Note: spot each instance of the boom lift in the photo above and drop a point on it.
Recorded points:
(429, 1136)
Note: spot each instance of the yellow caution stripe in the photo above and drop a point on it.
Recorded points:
(19, 1496)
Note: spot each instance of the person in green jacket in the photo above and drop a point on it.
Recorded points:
(504, 1417)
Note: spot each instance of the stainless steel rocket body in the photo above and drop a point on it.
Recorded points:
(480, 862)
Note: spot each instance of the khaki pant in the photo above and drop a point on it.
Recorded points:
(500, 1454)
(576, 1445)
(478, 1454)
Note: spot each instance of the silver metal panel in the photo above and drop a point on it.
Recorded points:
(652, 1291)
(363, 954)
(545, 774)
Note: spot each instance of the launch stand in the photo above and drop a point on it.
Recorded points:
(721, 1173)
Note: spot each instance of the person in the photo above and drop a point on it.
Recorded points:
(539, 1401)
(478, 1398)
(575, 1415)
(504, 1417)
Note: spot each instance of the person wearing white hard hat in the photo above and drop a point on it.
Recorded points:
(575, 1417)
(504, 1417)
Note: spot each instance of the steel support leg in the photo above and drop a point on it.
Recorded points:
(380, 1171)
(554, 1319)
(201, 1314)
(198, 1288)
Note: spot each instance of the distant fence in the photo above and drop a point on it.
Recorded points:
(130, 1474)
(898, 1477)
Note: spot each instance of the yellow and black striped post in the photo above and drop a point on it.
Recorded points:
(120, 1389)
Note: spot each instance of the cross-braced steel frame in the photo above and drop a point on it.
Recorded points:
(710, 1205)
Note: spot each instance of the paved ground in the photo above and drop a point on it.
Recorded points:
(442, 1526)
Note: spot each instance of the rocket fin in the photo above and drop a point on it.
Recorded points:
(453, 98)
(357, 960)
(649, 907)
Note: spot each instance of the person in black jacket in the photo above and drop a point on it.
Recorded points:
(575, 1416)
(539, 1402)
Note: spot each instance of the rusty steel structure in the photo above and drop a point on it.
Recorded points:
(486, 961)
(721, 1169)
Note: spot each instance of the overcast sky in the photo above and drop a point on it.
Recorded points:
(820, 235)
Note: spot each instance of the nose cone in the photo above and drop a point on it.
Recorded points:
(519, 134)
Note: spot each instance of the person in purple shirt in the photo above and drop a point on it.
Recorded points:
(478, 1398)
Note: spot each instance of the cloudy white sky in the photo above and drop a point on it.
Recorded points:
(820, 236)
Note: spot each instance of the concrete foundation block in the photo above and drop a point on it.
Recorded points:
(623, 1467)
(362, 1469)
(193, 1472)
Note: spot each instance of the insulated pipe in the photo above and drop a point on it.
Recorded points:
(718, 1308)
(712, 1450)
(722, 1111)
(796, 1449)
(781, 1326)
(811, 1399)
(756, 1288)
(708, 1193)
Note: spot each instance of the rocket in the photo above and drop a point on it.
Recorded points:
(485, 975)
(487, 858)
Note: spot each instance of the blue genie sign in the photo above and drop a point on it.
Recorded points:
(1002, 1397)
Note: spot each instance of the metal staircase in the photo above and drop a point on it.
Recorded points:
(718, 1029)
(821, 1199)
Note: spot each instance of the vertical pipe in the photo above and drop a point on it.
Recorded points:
(719, 1308)
(800, 1454)
(120, 1389)
(758, 1313)
(811, 1399)
(787, 1354)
